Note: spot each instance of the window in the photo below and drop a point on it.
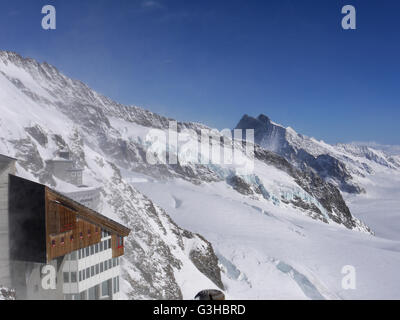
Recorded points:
(83, 275)
(92, 293)
(105, 289)
(80, 253)
(117, 261)
(97, 248)
(97, 230)
(73, 277)
(109, 243)
(62, 241)
(53, 243)
(91, 250)
(83, 295)
(116, 285)
(73, 255)
(66, 277)
(97, 269)
(105, 266)
(87, 251)
(71, 238)
(120, 242)
(101, 267)
(87, 273)
(105, 245)
(109, 264)
(80, 276)
(101, 246)
(114, 262)
(92, 271)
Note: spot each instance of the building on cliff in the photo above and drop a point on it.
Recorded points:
(52, 247)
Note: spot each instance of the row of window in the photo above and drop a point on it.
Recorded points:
(97, 292)
(76, 174)
(93, 249)
(98, 268)
(104, 245)
(70, 277)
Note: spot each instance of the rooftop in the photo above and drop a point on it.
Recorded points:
(89, 214)
(4, 158)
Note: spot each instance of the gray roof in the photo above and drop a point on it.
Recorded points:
(4, 158)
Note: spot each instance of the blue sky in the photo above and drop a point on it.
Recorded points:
(213, 61)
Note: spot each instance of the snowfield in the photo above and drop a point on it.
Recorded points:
(268, 252)
(379, 207)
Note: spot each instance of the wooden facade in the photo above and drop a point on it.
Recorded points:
(118, 248)
(71, 226)
(46, 225)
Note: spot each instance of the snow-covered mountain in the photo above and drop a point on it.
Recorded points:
(340, 164)
(277, 231)
(390, 150)
(41, 112)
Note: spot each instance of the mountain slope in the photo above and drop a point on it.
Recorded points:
(258, 221)
(124, 135)
(35, 123)
(341, 164)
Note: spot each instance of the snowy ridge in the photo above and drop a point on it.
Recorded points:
(34, 125)
(341, 164)
(279, 232)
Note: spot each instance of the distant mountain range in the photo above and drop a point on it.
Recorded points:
(337, 164)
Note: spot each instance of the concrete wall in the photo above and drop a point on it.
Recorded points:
(6, 167)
